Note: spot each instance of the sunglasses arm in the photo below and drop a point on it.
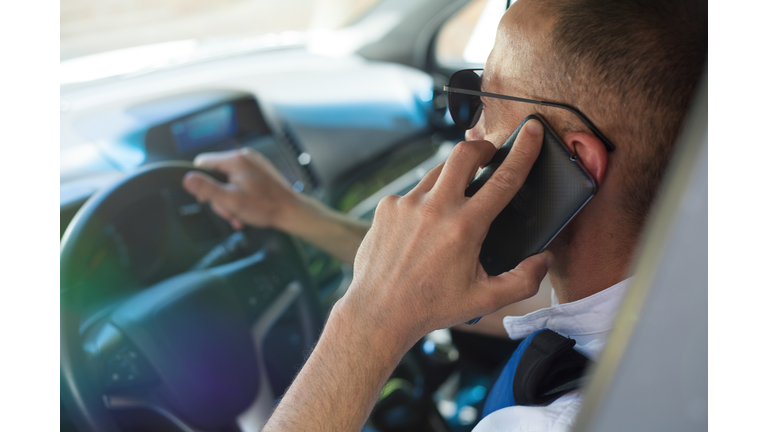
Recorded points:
(608, 144)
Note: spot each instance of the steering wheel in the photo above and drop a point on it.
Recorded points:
(189, 347)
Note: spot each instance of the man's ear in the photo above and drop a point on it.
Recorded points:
(591, 151)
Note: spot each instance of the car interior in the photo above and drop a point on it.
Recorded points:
(171, 320)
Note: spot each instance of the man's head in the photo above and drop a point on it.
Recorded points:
(631, 67)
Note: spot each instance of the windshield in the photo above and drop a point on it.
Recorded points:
(94, 26)
(102, 39)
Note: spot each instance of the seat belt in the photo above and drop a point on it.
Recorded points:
(543, 367)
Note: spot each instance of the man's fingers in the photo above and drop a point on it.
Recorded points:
(462, 165)
(498, 191)
(205, 188)
(228, 216)
(520, 283)
(219, 161)
(221, 196)
(428, 181)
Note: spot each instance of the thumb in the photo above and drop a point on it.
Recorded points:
(205, 188)
(521, 282)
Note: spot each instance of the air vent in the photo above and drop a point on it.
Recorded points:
(296, 150)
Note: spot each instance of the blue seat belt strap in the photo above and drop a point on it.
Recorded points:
(543, 367)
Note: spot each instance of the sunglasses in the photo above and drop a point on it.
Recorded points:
(465, 104)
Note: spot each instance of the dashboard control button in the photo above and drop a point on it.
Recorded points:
(127, 368)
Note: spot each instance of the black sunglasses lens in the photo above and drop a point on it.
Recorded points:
(465, 109)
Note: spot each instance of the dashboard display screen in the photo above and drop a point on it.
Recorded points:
(229, 125)
(201, 130)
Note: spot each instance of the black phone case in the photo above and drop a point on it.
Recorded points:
(554, 192)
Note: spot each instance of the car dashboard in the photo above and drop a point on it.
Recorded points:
(341, 130)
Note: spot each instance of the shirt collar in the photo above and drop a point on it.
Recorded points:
(591, 315)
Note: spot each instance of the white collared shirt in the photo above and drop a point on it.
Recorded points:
(587, 321)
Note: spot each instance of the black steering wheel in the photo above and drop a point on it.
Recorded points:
(187, 343)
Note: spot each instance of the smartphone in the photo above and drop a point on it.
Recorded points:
(556, 189)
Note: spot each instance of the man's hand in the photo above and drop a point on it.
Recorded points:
(257, 194)
(416, 271)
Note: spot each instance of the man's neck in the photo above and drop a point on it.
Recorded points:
(589, 262)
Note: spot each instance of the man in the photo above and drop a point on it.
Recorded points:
(631, 67)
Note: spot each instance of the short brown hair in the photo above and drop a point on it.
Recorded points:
(636, 64)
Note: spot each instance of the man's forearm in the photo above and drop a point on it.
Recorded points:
(416, 271)
(324, 227)
(340, 382)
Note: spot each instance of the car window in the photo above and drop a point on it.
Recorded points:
(467, 38)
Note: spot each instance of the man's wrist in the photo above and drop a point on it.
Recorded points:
(294, 213)
(393, 337)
